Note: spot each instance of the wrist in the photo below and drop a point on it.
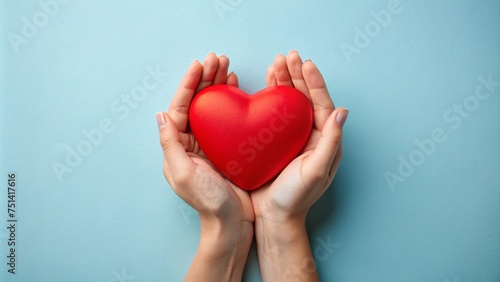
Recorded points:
(284, 250)
(284, 231)
(227, 235)
(229, 242)
(222, 251)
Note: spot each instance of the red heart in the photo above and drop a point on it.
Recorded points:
(250, 138)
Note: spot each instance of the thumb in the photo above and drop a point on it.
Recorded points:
(176, 157)
(329, 143)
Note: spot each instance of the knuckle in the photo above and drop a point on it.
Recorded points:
(182, 109)
(166, 143)
(336, 140)
(319, 174)
(182, 178)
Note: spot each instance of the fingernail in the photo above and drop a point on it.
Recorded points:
(160, 119)
(308, 60)
(194, 62)
(341, 117)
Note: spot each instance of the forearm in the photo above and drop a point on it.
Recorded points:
(284, 251)
(222, 252)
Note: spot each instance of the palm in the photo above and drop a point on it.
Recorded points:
(218, 190)
(284, 192)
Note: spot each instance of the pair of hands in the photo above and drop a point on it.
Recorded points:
(279, 208)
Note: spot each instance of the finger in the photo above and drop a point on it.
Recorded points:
(281, 71)
(270, 77)
(179, 108)
(294, 65)
(232, 79)
(166, 171)
(177, 159)
(210, 66)
(336, 162)
(322, 103)
(322, 158)
(221, 74)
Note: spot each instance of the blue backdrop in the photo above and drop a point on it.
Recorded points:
(418, 192)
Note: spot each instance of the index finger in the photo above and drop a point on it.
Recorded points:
(179, 108)
(322, 103)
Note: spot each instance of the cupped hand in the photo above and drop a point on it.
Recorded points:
(186, 168)
(307, 177)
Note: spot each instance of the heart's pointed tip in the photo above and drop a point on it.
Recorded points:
(249, 189)
(245, 185)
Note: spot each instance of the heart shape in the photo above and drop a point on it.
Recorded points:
(250, 138)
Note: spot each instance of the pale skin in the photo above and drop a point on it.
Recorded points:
(276, 212)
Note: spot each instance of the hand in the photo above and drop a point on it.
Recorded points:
(281, 206)
(226, 213)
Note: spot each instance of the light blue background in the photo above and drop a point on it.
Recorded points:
(114, 217)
